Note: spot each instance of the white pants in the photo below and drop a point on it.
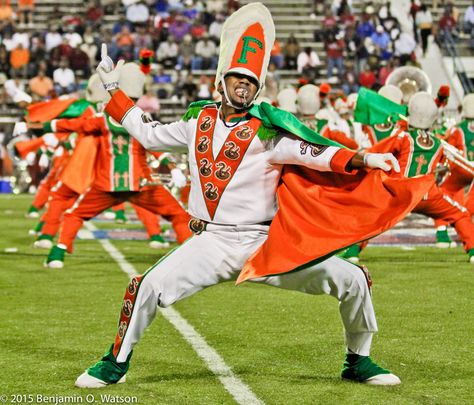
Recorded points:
(218, 255)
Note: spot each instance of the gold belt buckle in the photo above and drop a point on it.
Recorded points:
(197, 226)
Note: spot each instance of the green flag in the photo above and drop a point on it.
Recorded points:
(75, 109)
(372, 108)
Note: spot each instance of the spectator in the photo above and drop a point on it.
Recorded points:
(179, 28)
(215, 28)
(381, 40)
(205, 55)
(215, 6)
(53, 39)
(72, 37)
(163, 83)
(276, 56)
(6, 12)
(186, 53)
(384, 71)
(189, 90)
(141, 39)
(80, 63)
(19, 59)
(64, 78)
(367, 77)
(89, 46)
(38, 54)
(469, 23)
(25, 11)
(4, 60)
(308, 63)
(270, 90)
(41, 85)
(122, 21)
(365, 28)
(167, 52)
(7, 42)
(405, 46)
(349, 82)
(329, 25)
(21, 37)
(346, 18)
(149, 103)
(291, 50)
(424, 22)
(94, 13)
(447, 25)
(137, 13)
(204, 88)
(198, 30)
(334, 52)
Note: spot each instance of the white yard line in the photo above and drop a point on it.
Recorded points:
(233, 384)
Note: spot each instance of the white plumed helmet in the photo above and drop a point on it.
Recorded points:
(308, 102)
(468, 106)
(422, 110)
(286, 99)
(132, 80)
(393, 93)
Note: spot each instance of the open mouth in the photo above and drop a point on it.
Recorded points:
(241, 92)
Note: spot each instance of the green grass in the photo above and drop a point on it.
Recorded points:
(285, 345)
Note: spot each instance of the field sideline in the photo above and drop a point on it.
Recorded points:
(286, 346)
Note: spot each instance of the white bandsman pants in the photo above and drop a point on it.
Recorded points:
(218, 255)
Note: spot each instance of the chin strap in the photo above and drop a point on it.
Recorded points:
(229, 103)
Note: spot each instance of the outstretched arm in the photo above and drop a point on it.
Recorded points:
(151, 134)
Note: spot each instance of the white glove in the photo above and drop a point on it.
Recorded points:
(107, 73)
(384, 161)
(178, 179)
(50, 140)
(30, 158)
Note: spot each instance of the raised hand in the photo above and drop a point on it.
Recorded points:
(107, 73)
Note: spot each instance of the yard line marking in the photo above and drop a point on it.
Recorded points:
(240, 391)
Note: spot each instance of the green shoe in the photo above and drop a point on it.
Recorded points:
(44, 242)
(352, 253)
(120, 217)
(443, 241)
(55, 258)
(471, 255)
(106, 371)
(158, 242)
(362, 369)
(32, 212)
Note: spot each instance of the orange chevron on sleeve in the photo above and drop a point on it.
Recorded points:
(119, 105)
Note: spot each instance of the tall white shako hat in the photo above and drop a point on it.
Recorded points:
(286, 100)
(308, 102)
(246, 41)
(422, 110)
(95, 92)
(132, 80)
(468, 106)
(393, 93)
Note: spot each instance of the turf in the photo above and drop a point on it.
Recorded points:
(286, 346)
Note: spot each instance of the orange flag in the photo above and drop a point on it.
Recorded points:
(322, 213)
(47, 110)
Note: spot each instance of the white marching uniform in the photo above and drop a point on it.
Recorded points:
(237, 230)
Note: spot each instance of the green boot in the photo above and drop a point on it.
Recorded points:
(120, 217)
(362, 369)
(471, 255)
(44, 242)
(158, 242)
(32, 212)
(55, 258)
(443, 240)
(352, 253)
(106, 371)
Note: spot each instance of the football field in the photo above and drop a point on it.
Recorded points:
(283, 347)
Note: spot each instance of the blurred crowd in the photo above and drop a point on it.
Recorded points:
(182, 39)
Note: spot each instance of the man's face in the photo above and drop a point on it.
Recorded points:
(241, 89)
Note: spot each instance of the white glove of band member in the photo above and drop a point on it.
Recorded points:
(50, 140)
(384, 161)
(178, 179)
(43, 161)
(107, 73)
